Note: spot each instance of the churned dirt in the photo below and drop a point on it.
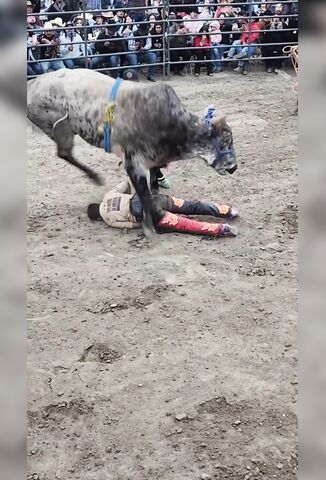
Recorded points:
(171, 359)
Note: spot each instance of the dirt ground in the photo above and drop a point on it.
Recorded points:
(171, 359)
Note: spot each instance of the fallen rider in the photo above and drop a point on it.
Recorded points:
(121, 208)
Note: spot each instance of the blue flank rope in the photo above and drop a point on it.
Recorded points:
(209, 116)
(107, 125)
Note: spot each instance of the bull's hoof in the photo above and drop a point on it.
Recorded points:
(149, 232)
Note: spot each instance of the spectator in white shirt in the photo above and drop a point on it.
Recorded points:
(191, 22)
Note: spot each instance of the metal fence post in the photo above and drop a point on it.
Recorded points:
(84, 5)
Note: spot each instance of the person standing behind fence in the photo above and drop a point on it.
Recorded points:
(274, 34)
(179, 40)
(49, 49)
(72, 47)
(217, 52)
(158, 41)
(140, 44)
(138, 14)
(244, 48)
(58, 9)
(205, 11)
(191, 21)
(110, 44)
(204, 52)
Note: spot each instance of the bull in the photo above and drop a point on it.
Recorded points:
(150, 128)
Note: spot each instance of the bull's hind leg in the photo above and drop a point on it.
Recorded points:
(138, 176)
(63, 136)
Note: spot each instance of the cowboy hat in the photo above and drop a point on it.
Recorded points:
(58, 22)
(48, 26)
(78, 18)
(29, 4)
(108, 14)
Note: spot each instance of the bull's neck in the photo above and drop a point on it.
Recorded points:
(198, 131)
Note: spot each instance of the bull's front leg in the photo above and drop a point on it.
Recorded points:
(138, 176)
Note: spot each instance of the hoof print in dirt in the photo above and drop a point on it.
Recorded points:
(99, 352)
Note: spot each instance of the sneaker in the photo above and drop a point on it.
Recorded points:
(238, 70)
(269, 70)
(229, 231)
(226, 211)
(196, 74)
(210, 74)
(164, 183)
(245, 72)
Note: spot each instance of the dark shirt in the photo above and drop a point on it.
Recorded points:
(54, 13)
(115, 46)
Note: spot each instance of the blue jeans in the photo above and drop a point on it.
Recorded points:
(54, 64)
(111, 60)
(34, 68)
(217, 53)
(74, 62)
(244, 52)
(132, 59)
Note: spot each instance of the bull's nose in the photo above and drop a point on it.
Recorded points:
(232, 169)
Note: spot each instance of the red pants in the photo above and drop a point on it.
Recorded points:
(177, 223)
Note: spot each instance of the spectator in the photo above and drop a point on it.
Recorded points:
(99, 19)
(204, 51)
(291, 36)
(72, 48)
(140, 48)
(206, 11)
(152, 7)
(224, 8)
(152, 19)
(49, 49)
(58, 9)
(179, 40)
(217, 52)
(79, 24)
(225, 22)
(120, 5)
(127, 28)
(119, 17)
(177, 7)
(273, 34)
(244, 48)
(157, 41)
(113, 5)
(35, 19)
(138, 14)
(191, 22)
(94, 5)
(34, 67)
(110, 45)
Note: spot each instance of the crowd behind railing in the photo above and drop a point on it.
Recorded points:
(122, 37)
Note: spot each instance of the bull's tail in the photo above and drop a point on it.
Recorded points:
(62, 119)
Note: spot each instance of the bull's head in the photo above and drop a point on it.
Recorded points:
(220, 153)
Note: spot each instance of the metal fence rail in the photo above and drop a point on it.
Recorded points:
(164, 59)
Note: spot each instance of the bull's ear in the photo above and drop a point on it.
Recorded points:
(218, 122)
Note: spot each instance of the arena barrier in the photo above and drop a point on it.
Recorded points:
(164, 55)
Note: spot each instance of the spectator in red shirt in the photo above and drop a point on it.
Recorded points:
(203, 51)
(244, 48)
